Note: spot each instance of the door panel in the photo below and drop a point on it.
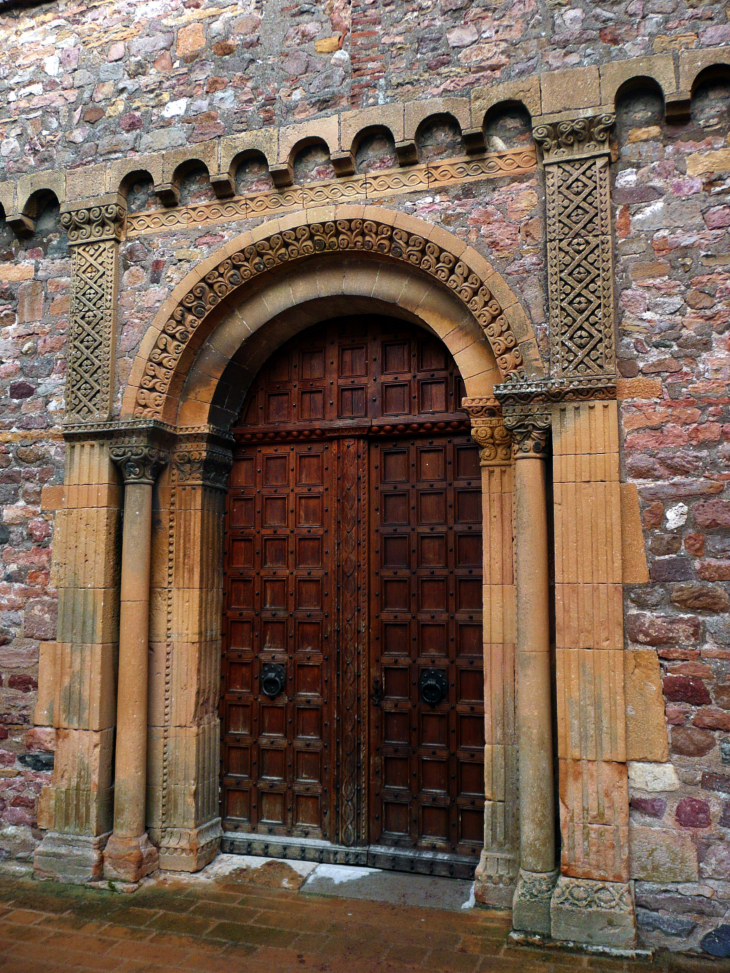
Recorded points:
(427, 758)
(353, 590)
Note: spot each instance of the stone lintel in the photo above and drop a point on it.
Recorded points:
(593, 912)
(73, 858)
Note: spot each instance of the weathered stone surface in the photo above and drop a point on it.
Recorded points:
(69, 858)
(693, 813)
(646, 731)
(599, 913)
(661, 855)
(717, 942)
(653, 776)
(690, 741)
(531, 903)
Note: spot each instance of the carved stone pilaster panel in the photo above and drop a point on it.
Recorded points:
(93, 232)
(580, 248)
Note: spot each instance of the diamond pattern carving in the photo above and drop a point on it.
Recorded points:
(93, 232)
(580, 262)
(88, 379)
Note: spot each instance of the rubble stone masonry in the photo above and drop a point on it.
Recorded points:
(210, 118)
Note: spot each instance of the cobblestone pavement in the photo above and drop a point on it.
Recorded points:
(229, 926)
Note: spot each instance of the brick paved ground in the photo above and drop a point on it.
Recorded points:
(226, 927)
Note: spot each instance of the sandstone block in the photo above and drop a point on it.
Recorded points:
(646, 732)
(572, 88)
(661, 855)
(73, 858)
(653, 776)
(597, 913)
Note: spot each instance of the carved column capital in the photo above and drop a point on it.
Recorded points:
(139, 461)
(562, 137)
(95, 220)
(199, 463)
(488, 430)
(529, 427)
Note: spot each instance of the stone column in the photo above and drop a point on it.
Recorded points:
(129, 854)
(531, 905)
(185, 645)
(77, 673)
(496, 873)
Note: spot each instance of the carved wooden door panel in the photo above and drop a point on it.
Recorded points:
(352, 602)
(427, 724)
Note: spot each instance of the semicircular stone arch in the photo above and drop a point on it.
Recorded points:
(252, 262)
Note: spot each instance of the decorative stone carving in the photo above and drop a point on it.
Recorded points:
(580, 252)
(93, 232)
(531, 904)
(488, 430)
(529, 427)
(302, 242)
(350, 189)
(138, 461)
(593, 912)
(203, 464)
(568, 138)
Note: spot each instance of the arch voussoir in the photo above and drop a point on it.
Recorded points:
(361, 231)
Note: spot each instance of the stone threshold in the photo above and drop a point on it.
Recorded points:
(568, 946)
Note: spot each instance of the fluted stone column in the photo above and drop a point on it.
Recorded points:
(538, 874)
(129, 854)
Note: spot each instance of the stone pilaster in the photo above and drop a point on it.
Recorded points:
(94, 228)
(580, 251)
(499, 863)
(185, 641)
(77, 679)
(592, 901)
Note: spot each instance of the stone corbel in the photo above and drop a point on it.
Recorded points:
(343, 163)
(407, 152)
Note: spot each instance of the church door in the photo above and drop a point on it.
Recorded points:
(352, 703)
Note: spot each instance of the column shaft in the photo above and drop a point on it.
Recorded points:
(534, 706)
(131, 745)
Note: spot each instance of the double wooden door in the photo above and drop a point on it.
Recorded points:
(352, 698)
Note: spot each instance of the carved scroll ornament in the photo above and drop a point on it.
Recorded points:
(139, 462)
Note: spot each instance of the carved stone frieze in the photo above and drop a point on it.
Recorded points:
(593, 912)
(580, 248)
(488, 430)
(359, 235)
(373, 185)
(93, 232)
(138, 461)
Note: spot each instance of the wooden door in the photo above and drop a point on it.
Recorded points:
(427, 727)
(353, 600)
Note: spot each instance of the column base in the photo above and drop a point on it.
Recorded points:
(188, 849)
(129, 859)
(494, 880)
(74, 858)
(531, 903)
(596, 913)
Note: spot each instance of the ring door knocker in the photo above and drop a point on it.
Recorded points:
(433, 685)
(273, 679)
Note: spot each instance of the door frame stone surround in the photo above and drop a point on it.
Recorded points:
(174, 419)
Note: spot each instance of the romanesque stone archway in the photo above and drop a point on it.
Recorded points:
(184, 322)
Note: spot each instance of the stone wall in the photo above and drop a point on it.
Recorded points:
(97, 84)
